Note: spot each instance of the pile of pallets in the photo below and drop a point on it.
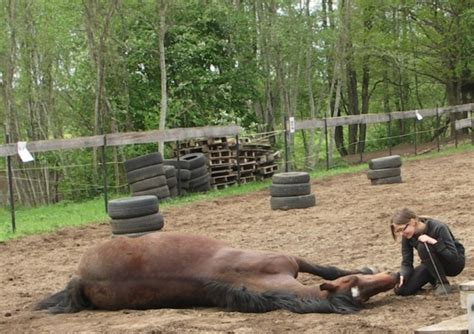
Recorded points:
(255, 160)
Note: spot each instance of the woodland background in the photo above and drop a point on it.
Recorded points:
(81, 68)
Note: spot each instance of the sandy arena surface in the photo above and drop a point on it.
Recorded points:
(348, 227)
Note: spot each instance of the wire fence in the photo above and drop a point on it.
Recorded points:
(57, 176)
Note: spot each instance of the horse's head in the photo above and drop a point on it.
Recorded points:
(362, 287)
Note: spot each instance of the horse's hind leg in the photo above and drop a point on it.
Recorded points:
(328, 272)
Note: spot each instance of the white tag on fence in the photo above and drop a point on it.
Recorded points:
(418, 115)
(23, 152)
(292, 124)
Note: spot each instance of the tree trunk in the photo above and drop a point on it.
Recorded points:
(163, 6)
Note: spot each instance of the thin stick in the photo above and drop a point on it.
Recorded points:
(436, 269)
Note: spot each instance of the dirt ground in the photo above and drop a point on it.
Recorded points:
(348, 227)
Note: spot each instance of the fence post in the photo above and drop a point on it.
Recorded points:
(327, 144)
(472, 128)
(285, 123)
(437, 126)
(455, 135)
(10, 187)
(415, 128)
(237, 152)
(178, 167)
(104, 175)
(389, 134)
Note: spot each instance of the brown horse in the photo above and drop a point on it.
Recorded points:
(178, 270)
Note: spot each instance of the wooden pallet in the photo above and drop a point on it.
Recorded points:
(224, 185)
(225, 178)
(270, 169)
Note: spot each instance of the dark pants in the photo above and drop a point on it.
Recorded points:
(426, 272)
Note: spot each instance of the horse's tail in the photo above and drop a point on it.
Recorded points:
(69, 300)
(243, 300)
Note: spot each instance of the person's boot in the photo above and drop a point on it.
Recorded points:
(442, 289)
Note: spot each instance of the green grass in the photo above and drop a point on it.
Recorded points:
(45, 219)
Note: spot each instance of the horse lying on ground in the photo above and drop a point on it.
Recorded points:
(176, 270)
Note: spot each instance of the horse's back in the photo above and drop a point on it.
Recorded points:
(153, 255)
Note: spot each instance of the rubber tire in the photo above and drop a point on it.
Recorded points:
(392, 161)
(387, 180)
(194, 160)
(292, 202)
(383, 173)
(290, 178)
(172, 182)
(170, 171)
(153, 182)
(285, 190)
(147, 223)
(200, 171)
(145, 173)
(184, 174)
(143, 161)
(131, 207)
(161, 193)
(203, 187)
(174, 192)
(132, 235)
(194, 183)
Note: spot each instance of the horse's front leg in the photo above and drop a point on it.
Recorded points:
(329, 272)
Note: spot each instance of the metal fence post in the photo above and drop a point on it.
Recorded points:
(415, 128)
(437, 126)
(104, 174)
(10, 187)
(389, 134)
(237, 149)
(327, 144)
(285, 121)
(178, 167)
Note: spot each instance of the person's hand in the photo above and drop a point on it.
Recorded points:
(427, 239)
(400, 282)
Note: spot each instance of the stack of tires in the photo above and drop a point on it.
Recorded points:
(193, 172)
(146, 176)
(134, 216)
(171, 180)
(385, 170)
(291, 190)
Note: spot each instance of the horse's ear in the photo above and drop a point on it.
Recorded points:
(327, 286)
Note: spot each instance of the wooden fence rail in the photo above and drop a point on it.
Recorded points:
(154, 136)
(117, 139)
(380, 118)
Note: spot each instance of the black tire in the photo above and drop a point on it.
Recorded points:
(285, 190)
(174, 192)
(153, 182)
(194, 183)
(132, 235)
(194, 160)
(170, 171)
(145, 173)
(203, 187)
(387, 180)
(184, 184)
(184, 174)
(161, 192)
(392, 161)
(147, 223)
(196, 172)
(171, 182)
(290, 178)
(143, 161)
(382, 173)
(293, 202)
(131, 207)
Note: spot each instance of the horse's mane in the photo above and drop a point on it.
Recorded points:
(243, 300)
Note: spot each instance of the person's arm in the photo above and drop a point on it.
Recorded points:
(407, 259)
(445, 246)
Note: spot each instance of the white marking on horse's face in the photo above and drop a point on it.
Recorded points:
(355, 291)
